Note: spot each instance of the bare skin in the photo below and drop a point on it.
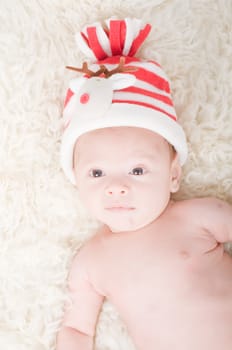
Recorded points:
(169, 278)
(171, 281)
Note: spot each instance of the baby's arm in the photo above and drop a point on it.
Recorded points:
(71, 339)
(78, 328)
(214, 216)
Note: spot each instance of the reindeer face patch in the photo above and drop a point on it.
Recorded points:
(92, 94)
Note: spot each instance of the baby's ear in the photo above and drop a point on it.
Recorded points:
(175, 174)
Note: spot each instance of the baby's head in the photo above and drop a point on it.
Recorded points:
(120, 129)
(125, 175)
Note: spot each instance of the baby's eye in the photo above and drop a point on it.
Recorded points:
(137, 171)
(96, 173)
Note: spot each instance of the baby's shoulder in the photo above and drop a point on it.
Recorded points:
(203, 209)
(210, 215)
(91, 250)
(206, 203)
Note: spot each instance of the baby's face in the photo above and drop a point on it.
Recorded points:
(125, 176)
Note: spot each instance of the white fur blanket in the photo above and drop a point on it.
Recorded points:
(42, 222)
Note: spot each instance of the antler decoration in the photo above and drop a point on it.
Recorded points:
(103, 70)
(87, 71)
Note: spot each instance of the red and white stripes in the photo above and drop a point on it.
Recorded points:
(151, 88)
(117, 37)
(123, 38)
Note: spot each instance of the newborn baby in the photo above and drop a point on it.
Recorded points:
(160, 262)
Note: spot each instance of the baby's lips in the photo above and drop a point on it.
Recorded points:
(120, 208)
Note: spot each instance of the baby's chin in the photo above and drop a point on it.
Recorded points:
(127, 226)
(134, 219)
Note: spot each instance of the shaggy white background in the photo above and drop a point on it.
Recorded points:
(42, 222)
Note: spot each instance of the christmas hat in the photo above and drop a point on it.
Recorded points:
(117, 89)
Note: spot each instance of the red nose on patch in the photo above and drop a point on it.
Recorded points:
(84, 98)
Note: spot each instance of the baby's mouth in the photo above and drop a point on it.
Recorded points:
(119, 208)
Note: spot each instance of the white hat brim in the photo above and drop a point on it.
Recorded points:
(122, 114)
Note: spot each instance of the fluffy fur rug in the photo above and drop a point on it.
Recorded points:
(42, 222)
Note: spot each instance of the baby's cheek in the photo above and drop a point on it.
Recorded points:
(144, 196)
(84, 193)
(90, 198)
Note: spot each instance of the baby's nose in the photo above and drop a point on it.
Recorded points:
(116, 190)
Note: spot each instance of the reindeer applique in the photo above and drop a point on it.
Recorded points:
(91, 95)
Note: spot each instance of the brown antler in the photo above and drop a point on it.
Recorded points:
(103, 70)
(87, 71)
(119, 69)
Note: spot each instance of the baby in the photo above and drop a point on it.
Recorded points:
(160, 262)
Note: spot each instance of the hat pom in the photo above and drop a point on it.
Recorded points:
(115, 38)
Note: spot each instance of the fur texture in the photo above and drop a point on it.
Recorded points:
(42, 222)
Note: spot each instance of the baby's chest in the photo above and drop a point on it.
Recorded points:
(158, 269)
(145, 274)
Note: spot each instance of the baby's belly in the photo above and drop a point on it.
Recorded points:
(191, 309)
(186, 326)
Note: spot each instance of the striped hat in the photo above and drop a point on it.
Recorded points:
(117, 89)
